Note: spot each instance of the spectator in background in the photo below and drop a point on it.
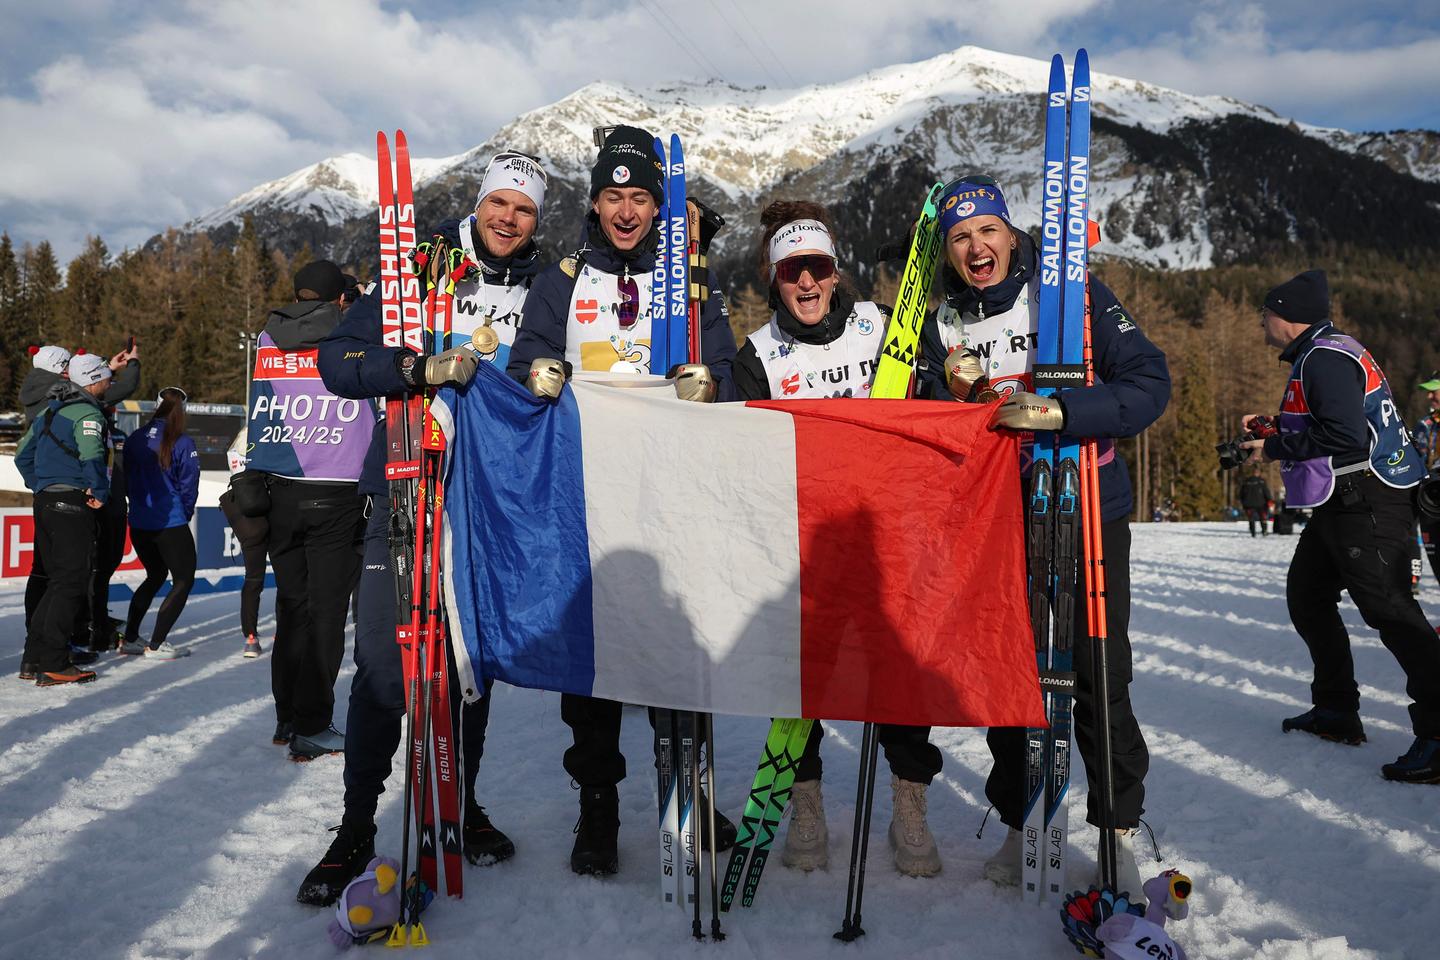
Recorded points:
(1255, 500)
(252, 533)
(47, 368)
(97, 631)
(162, 470)
(63, 460)
(1426, 437)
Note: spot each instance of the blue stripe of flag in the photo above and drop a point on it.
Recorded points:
(520, 552)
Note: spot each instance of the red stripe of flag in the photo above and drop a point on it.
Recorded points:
(912, 571)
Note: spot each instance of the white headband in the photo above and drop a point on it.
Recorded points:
(800, 236)
(511, 171)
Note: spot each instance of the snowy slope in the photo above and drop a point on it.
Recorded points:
(967, 109)
(147, 814)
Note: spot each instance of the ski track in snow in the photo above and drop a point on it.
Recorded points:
(148, 814)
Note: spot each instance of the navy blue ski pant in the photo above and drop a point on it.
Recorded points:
(908, 750)
(375, 724)
(1129, 757)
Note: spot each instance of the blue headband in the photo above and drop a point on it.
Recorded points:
(963, 200)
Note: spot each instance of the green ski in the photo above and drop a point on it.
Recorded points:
(769, 793)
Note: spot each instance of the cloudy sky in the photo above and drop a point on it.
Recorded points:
(120, 118)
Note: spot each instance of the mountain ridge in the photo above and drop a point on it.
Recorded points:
(968, 109)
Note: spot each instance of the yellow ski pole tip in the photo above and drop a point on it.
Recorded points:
(397, 936)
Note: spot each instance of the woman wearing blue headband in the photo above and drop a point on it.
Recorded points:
(981, 344)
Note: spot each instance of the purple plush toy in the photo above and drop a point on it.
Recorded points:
(1128, 937)
(369, 906)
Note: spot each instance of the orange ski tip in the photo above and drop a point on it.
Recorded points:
(1094, 233)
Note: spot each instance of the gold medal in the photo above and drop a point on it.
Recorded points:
(485, 340)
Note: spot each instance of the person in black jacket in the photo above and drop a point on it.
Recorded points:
(356, 362)
(1344, 452)
(49, 365)
(984, 336)
(592, 310)
(1255, 501)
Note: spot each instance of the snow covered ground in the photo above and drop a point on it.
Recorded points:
(148, 815)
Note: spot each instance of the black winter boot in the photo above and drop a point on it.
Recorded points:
(597, 832)
(484, 843)
(350, 852)
(1341, 726)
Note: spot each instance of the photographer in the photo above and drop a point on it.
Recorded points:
(1345, 453)
(1426, 438)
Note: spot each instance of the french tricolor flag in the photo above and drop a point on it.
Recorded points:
(834, 559)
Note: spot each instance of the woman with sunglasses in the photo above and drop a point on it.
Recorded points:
(821, 342)
(592, 312)
(984, 335)
(162, 474)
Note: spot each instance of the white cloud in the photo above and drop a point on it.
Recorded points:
(1231, 51)
(151, 120)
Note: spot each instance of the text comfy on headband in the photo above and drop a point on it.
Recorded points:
(971, 196)
(800, 236)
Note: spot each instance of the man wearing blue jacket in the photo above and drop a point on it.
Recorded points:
(64, 459)
(986, 330)
(592, 311)
(354, 362)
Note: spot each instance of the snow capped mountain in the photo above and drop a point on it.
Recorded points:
(893, 130)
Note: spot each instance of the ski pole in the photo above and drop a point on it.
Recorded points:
(696, 930)
(850, 928)
(712, 844)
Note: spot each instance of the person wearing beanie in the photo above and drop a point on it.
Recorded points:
(309, 446)
(47, 367)
(979, 345)
(1345, 455)
(591, 312)
(1426, 437)
(64, 459)
(497, 238)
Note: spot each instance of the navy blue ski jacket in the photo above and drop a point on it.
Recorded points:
(1135, 379)
(547, 309)
(354, 363)
(160, 498)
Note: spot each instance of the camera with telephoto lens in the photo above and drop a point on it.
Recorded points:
(1427, 498)
(1256, 428)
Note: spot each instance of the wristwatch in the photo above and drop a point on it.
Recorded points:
(406, 365)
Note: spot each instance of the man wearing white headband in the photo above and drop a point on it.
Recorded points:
(497, 240)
